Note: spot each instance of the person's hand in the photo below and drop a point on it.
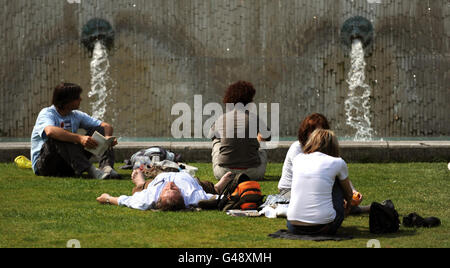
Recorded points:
(88, 142)
(104, 199)
(347, 208)
(357, 198)
(114, 143)
(260, 138)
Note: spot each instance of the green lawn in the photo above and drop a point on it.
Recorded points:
(48, 212)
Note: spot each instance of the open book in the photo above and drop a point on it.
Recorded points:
(103, 144)
(243, 213)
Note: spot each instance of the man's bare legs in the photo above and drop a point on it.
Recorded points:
(137, 177)
(223, 182)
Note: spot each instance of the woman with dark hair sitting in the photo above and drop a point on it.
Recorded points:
(237, 133)
(308, 125)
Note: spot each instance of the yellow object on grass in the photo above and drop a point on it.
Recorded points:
(23, 162)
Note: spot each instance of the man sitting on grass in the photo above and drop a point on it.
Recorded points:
(56, 148)
(169, 191)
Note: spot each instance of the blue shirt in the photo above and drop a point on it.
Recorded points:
(50, 117)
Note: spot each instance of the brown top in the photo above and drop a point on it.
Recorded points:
(239, 144)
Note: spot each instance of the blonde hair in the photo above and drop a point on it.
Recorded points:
(324, 141)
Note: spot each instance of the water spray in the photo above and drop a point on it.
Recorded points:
(357, 33)
(98, 38)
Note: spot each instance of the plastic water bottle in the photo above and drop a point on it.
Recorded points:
(155, 159)
(190, 170)
(141, 160)
(170, 156)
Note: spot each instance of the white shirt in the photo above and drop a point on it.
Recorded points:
(312, 185)
(191, 191)
(286, 175)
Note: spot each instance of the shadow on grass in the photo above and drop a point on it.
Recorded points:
(363, 232)
(123, 176)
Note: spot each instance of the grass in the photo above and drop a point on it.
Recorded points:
(48, 212)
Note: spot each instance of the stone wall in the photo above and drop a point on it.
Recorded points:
(167, 51)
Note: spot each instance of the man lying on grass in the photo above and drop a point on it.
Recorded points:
(168, 191)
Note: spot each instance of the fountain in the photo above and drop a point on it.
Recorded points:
(96, 30)
(357, 34)
(98, 37)
(165, 52)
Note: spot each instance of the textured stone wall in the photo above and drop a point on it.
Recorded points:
(166, 51)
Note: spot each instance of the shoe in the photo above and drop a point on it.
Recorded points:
(111, 173)
(414, 220)
(97, 173)
(431, 222)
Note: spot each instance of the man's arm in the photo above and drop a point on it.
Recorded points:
(109, 131)
(107, 199)
(60, 134)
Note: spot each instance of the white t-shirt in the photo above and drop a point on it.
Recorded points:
(286, 175)
(191, 191)
(312, 185)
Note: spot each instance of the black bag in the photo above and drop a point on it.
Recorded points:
(383, 218)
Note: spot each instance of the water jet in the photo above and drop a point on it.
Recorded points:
(98, 38)
(357, 34)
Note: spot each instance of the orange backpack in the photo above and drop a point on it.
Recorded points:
(241, 193)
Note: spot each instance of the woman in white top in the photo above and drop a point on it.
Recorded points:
(309, 124)
(320, 184)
